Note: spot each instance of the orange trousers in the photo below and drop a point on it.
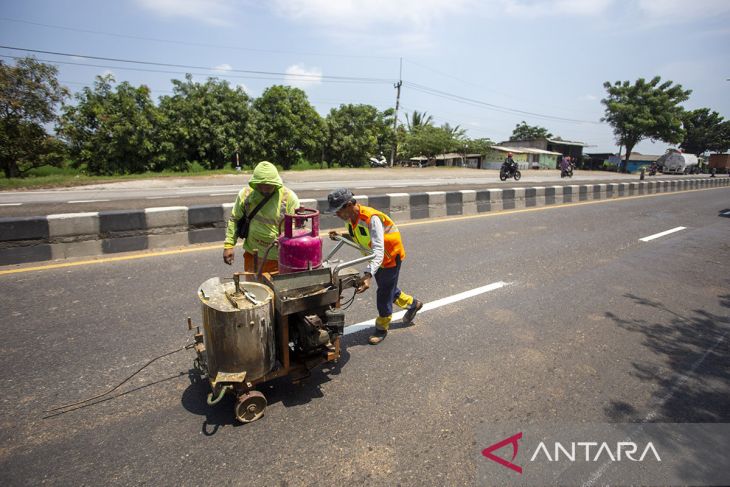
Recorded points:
(270, 265)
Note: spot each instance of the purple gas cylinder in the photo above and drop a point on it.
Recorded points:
(302, 248)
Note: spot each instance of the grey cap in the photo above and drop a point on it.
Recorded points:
(339, 198)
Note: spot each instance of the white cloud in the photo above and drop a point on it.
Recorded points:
(215, 12)
(223, 68)
(300, 75)
(543, 8)
(359, 14)
(588, 98)
(682, 10)
(389, 23)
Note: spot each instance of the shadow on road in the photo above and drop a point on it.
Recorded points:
(282, 390)
(694, 349)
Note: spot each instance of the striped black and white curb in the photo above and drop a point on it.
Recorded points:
(33, 239)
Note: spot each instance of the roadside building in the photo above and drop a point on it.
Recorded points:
(636, 161)
(525, 157)
(599, 160)
(453, 159)
(570, 148)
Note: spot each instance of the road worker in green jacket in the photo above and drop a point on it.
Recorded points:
(264, 227)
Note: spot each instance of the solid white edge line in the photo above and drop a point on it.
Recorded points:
(657, 235)
(432, 305)
(10, 204)
(87, 201)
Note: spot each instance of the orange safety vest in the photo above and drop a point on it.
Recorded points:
(361, 234)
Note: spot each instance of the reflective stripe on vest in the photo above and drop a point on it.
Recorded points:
(393, 245)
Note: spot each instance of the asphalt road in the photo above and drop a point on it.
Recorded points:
(138, 194)
(593, 325)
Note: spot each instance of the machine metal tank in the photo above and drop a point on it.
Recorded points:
(238, 328)
(300, 249)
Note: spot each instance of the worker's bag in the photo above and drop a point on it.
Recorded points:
(243, 224)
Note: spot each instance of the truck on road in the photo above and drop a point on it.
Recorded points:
(675, 162)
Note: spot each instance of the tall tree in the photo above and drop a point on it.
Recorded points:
(357, 132)
(29, 94)
(288, 127)
(523, 131)
(113, 130)
(705, 131)
(644, 110)
(206, 123)
(417, 120)
(456, 132)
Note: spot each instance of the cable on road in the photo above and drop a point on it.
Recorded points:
(65, 406)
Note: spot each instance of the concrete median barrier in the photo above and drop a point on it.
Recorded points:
(34, 239)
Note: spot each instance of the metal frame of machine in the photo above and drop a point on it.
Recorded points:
(308, 325)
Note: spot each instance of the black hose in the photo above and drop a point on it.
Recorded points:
(185, 347)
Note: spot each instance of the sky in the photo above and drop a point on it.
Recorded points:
(483, 65)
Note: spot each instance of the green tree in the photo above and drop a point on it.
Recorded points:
(705, 131)
(417, 120)
(428, 141)
(206, 123)
(113, 130)
(523, 131)
(288, 127)
(644, 110)
(29, 93)
(357, 132)
(457, 133)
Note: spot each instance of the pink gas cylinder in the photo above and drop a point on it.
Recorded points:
(300, 248)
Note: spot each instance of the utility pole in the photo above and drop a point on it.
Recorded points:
(395, 120)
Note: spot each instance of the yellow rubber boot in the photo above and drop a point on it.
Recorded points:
(404, 300)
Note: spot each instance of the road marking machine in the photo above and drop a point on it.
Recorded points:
(261, 326)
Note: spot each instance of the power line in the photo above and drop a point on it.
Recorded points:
(491, 106)
(188, 43)
(304, 77)
(214, 74)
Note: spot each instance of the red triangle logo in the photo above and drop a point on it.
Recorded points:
(487, 452)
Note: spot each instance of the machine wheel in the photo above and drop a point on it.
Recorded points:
(502, 176)
(518, 175)
(250, 406)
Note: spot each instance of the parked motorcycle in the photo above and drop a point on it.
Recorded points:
(378, 162)
(509, 171)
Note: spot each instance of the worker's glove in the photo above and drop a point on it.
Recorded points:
(333, 235)
(228, 256)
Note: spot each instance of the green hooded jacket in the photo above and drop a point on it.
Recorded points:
(264, 228)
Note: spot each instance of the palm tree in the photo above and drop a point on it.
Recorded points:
(457, 132)
(417, 120)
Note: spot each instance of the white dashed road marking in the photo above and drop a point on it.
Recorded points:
(657, 235)
(432, 305)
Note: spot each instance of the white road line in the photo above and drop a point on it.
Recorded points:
(222, 194)
(365, 187)
(657, 235)
(432, 305)
(159, 197)
(10, 204)
(87, 201)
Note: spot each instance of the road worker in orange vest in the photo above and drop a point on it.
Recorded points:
(372, 229)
